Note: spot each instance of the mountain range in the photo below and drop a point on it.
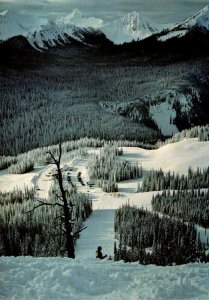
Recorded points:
(43, 33)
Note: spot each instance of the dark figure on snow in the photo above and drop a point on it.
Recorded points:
(99, 253)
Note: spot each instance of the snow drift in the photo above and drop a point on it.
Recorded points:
(28, 278)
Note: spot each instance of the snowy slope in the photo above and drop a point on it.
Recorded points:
(162, 114)
(85, 277)
(51, 34)
(177, 157)
(200, 19)
(27, 278)
(43, 33)
(133, 26)
(12, 24)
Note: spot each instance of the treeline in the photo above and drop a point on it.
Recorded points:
(145, 237)
(40, 156)
(21, 167)
(200, 132)
(157, 180)
(106, 170)
(36, 233)
(190, 206)
(62, 125)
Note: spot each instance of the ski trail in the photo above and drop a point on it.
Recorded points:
(99, 232)
(100, 225)
(43, 182)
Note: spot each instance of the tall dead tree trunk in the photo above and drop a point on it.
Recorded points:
(66, 205)
(67, 208)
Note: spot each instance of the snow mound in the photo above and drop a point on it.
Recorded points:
(61, 278)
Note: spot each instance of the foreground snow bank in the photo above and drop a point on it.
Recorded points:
(62, 278)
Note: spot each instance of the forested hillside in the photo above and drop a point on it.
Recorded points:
(51, 97)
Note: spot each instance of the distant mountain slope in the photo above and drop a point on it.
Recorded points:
(51, 35)
(43, 34)
(12, 24)
(132, 27)
(198, 20)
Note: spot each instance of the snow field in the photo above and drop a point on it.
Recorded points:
(28, 278)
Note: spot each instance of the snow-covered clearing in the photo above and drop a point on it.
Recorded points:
(85, 277)
(8, 182)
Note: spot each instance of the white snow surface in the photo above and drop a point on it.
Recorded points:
(28, 278)
(162, 114)
(172, 34)
(87, 278)
(9, 182)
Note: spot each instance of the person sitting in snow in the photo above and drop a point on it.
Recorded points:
(99, 253)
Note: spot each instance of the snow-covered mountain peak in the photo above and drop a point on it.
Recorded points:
(133, 26)
(78, 20)
(43, 33)
(51, 34)
(201, 18)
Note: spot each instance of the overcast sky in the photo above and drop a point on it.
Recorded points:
(163, 11)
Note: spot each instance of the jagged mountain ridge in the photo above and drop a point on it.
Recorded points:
(43, 34)
(198, 20)
(132, 27)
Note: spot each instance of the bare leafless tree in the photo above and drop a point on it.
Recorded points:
(66, 204)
